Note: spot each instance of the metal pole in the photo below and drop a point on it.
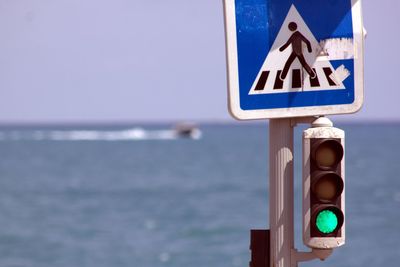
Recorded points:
(281, 191)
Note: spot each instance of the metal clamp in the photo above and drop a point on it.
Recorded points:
(297, 256)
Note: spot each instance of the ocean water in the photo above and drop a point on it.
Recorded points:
(138, 196)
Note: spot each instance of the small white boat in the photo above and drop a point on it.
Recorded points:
(187, 130)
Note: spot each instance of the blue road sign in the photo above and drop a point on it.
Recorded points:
(292, 58)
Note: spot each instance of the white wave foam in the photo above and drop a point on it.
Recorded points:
(93, 135)
(130, 134)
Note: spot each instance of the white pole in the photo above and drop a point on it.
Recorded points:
(281, 191)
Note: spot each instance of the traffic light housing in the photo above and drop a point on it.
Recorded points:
(323, 188)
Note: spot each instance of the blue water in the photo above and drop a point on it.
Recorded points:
(119, 197)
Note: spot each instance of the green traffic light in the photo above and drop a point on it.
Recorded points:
(327, 221)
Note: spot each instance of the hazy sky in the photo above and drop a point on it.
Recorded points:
(148, 60)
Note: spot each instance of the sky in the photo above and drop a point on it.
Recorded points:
(67, 61)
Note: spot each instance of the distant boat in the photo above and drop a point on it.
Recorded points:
(187, 130)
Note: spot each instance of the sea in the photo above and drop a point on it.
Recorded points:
(141, 196)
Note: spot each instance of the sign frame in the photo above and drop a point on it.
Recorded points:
(299, 111)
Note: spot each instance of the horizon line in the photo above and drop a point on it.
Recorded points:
(150, 122)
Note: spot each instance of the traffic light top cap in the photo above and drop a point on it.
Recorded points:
(322, 122)
(324, 132)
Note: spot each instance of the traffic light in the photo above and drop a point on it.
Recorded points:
(323, 188)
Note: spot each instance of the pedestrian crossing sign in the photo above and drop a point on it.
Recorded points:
(293, 58)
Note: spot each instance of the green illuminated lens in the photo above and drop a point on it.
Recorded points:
(327, 221)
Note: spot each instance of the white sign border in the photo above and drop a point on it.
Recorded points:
(233, 74)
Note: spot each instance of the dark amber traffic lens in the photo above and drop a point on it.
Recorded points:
(328, 154)
(328, 186)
